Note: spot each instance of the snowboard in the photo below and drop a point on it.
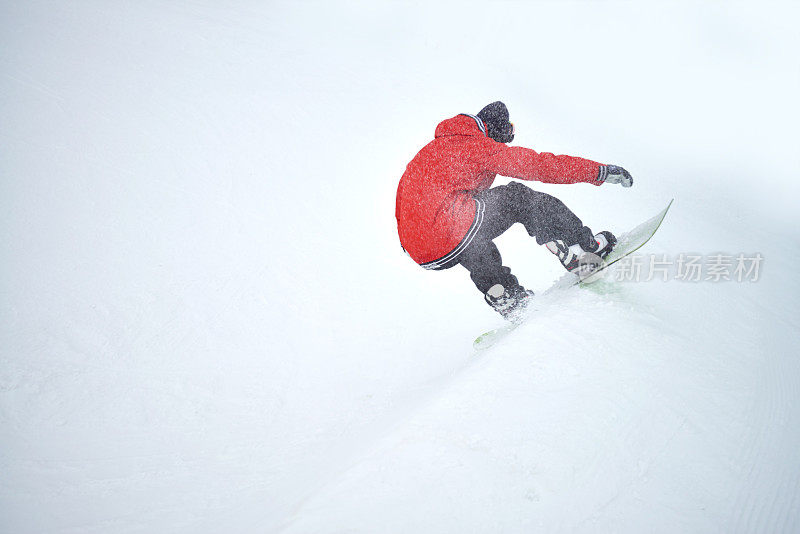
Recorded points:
(627, 244)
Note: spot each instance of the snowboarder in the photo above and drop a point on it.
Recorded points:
(447, 214)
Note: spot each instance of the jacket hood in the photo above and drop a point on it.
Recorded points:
(463, 124)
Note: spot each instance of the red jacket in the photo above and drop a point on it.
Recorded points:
(435, 209)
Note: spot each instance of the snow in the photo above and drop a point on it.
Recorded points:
(207, 324)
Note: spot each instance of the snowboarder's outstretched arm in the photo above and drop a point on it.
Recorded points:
(526, 164)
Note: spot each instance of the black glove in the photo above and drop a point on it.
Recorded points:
(613, 174)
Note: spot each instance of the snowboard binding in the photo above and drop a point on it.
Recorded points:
(583, 262)
(508, 302)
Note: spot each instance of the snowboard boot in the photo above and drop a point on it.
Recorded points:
(579, 261)
(508, 302)
(605, 243)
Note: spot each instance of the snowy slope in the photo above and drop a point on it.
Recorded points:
(206, 323)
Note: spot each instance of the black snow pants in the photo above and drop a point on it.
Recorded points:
(544, 216)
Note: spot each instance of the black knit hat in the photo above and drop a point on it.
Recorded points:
(498, 127)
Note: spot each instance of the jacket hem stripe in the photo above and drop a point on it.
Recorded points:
(449, 259)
